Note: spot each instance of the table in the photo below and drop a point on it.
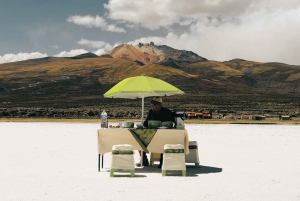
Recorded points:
(111, 136)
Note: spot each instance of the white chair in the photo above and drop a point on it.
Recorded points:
(174, 158)
(193, 156)
(122, 159)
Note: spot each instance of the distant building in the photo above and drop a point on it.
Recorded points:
(243, 116)
(207, 114)
(259, 117)
(285, 117)
(191, 115)
(200, 115)
(229, 116)
(217, 116)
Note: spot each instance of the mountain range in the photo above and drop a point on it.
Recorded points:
(81, 81)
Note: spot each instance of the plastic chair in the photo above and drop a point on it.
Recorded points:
(122, 159)
(193, 156)
(174, 158)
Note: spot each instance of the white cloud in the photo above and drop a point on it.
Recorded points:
(260, 33)
(101, 45)
(153, 14)
(21, 56)
(95, 44)
(55, 46)
(90, 22)
(71, 53)
(261, 37)
(154, 39)
(99, 52)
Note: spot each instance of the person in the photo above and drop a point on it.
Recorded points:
(157, 112)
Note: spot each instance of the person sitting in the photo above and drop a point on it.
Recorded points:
(160, 113)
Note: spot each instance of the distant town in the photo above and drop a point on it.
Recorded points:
(225, 114)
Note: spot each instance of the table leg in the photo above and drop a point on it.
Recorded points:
(99, 156)
(99, 159)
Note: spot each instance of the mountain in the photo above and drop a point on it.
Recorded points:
(150, 53)
(69, 84)
(86, 55)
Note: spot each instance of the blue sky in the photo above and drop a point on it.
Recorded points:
(257, 30)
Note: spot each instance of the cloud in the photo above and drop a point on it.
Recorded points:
(55, 46)
(71, 53)
(259, 32)
(156, 40)
(95, 44)
(260, 36)
(153, 14)
(99, 52)
(101, 46)
(21, 56)
(90, 22)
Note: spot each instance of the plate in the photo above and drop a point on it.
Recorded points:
(162, 127)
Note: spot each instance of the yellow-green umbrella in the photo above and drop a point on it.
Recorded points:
(141, 87)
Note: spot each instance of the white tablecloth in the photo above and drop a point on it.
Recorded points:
(109, 137)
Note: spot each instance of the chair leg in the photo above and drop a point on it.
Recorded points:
(112, 172)
(102, 160)
(163, 172)
(132, 173)
(184, 173)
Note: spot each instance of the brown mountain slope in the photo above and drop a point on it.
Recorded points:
(282, 78)
(81, 82)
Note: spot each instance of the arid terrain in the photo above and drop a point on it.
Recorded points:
(74, 87)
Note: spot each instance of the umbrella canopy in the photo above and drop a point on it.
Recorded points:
(141, 87)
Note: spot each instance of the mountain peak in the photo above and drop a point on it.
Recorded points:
(85, 55)
(147, 53)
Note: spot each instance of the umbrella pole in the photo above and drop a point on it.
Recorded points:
(142, 108)
(142, 159)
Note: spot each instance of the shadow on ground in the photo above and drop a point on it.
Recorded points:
(191, 171)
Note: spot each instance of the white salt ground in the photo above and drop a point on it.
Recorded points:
(59, 161)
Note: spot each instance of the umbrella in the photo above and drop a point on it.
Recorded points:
(141, 87)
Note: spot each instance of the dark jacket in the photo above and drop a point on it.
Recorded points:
(164, 115)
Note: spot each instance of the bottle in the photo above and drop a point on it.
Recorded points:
(104, 121)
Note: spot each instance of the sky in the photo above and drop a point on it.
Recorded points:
(220, 30)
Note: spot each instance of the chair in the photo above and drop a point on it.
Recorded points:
(174, 158)
(193, 156)
(122, 159)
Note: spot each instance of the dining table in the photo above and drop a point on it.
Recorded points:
(144, 139)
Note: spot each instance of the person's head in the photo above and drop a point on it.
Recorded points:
(156, 104)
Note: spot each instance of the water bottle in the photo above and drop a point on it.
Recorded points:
(104, 121)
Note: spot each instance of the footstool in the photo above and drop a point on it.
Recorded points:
(122, 159)
(193, 156)
(174, 158)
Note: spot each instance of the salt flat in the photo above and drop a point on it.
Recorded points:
(59, 161)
